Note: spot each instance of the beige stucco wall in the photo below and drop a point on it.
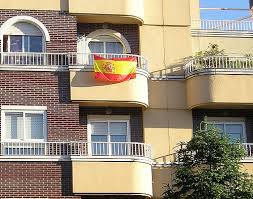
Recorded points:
(161, 177)
(112, 178)
(167, 94)
(164, 129)
(165, 46)
(194, 9)
(85, 88)
(165, 12)
(247, 167)
(167, 121)
(219, 89)
(231, 45)
(34, 4)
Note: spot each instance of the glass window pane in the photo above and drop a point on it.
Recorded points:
(220, 127)
(118, 138)
(14, 125)
(234, 137)
(35, 44)
(99, 128)
(118, 128)
(15, 43)
(235, 131)
(114, 47)
(99, 138)
(99, 148)
(34, 126)
(234, 128)
(96, 47)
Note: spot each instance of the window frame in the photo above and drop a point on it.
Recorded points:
(108, 121)
(104, 41)
(23, 110)
(23, 43)
(224, 123)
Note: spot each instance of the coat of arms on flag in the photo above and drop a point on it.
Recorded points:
(115, 70)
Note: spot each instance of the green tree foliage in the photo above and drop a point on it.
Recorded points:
(209, 168)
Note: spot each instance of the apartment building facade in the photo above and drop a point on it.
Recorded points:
(65, 134)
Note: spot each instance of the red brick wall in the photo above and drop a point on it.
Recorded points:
(129, 31)
(45, 89)
(61, 27)
(36, 179)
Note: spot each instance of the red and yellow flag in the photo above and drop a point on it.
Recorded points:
(115, 70)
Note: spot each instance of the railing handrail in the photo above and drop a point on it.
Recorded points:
(219, 62)
(62, 59)
(229, 20)
(222, 25)
(75, 148)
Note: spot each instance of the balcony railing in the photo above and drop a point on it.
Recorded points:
(222, 25)
(79, 59)
(81, 149)
(34, 59)
(249, 149)
(37, 60)
(219, 63)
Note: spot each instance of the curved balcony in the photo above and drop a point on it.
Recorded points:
(85, 89)
(94, 164)
(84, 150)
(108, 11)
(219, 81)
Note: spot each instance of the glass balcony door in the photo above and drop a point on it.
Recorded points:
(109, 138)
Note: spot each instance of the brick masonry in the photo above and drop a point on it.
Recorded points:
(36, 180)
(199, 115)
(129, 31)
(62, 28)
(66, 122)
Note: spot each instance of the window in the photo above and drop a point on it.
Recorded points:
(234, 130)
(23, 43)
(109, 137)
(23, 125)
(23, 130)
(106, 44)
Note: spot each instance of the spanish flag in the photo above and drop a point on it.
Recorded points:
(115, 70)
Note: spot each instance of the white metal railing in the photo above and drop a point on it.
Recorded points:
(249, 149)
(34, 59)
(226, 63)
(62, 59)
(117, 149)
(222, 25)
(79, 59)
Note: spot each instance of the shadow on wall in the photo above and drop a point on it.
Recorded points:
(63, 87)
(66, 178)
(175, 69)
(64, 5)
(87, 79)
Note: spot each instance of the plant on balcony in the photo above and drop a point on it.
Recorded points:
(207, 58)
(209, 168)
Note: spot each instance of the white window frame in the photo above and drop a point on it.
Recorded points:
(104, 41)
(23, 43)
(128, 136)
(224, 123)
(24, 110)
